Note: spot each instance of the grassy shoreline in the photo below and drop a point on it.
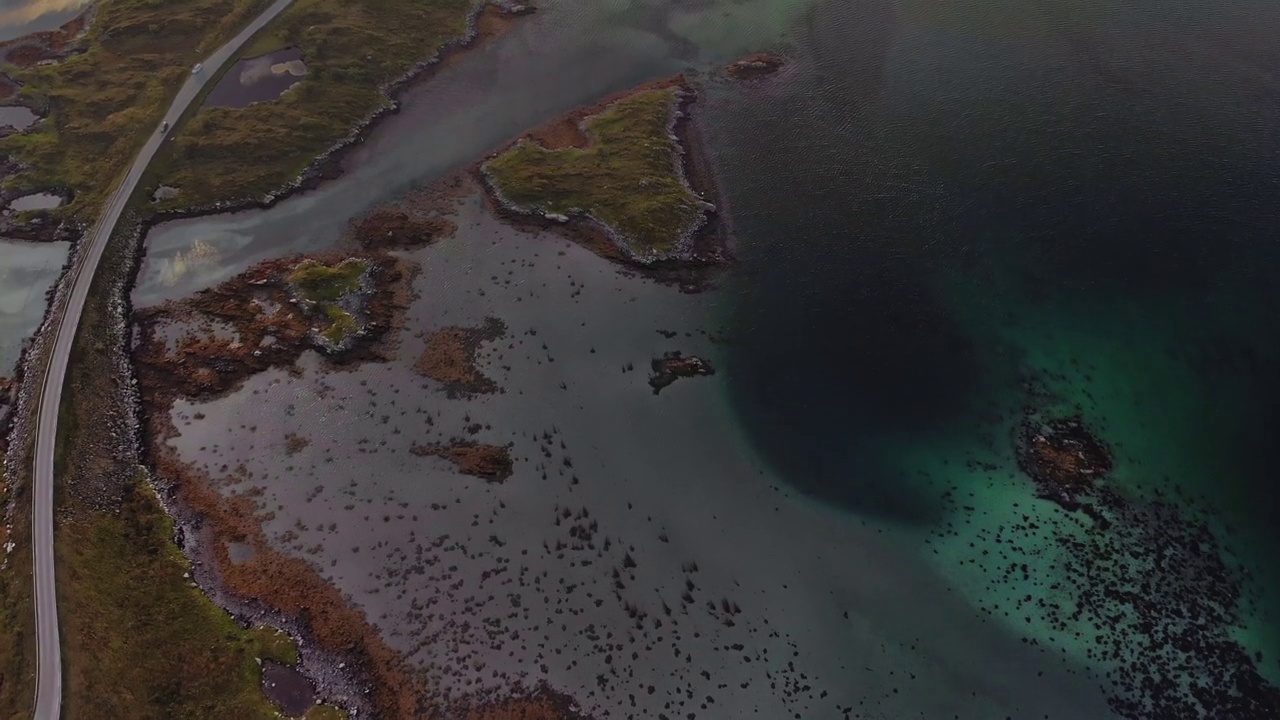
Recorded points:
(346, 88)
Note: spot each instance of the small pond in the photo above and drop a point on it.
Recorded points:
(260, 78)
(17, 117)
(287, 688)
(36, 201)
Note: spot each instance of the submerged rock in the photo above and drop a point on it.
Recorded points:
(756, 65)
(673, 365)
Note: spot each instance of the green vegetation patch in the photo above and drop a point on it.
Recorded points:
(327, 283)
(626, 178)
(352, 48)
(273, 644)
(341, 325)
(105, 102)
(159, 647)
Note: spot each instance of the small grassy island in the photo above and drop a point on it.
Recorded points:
(619, 165)
(332, 293)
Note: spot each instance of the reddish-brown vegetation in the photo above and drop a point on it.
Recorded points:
(450, 357)
(37, 47)
(269, 329)
(1063, 458)
(491, 462)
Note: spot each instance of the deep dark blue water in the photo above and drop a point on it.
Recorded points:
(979, 210)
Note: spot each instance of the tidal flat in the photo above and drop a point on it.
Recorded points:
(638, 553)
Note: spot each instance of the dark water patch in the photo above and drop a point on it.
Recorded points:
(287, 689)
(841, 341)
(258, 79)
(830, 368)
(947, 209)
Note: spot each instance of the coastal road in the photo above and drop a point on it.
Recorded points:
(48, 700)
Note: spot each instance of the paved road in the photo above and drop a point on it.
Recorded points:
(48, 701)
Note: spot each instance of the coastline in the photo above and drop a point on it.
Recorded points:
(342, 655)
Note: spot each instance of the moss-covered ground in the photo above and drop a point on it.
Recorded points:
(626, 177)
(326, 285)
(341, 325)
(141, 641)
(320, 283)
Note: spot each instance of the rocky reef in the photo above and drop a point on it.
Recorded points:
(1148, 579)
(1063, 457)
